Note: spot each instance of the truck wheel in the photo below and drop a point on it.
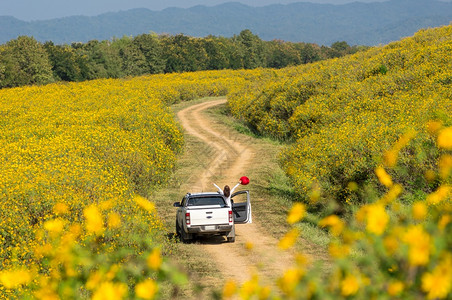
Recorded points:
(185, 237)
(231, 235)
(177, 228)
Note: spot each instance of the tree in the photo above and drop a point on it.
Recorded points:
(151, 48)
(281, 54)
(183, 53)
(253, 49)
(64, 62)
(25, 62)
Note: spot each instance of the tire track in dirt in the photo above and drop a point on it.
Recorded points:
(229, 160)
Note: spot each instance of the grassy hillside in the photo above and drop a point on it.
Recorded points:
(343, 114)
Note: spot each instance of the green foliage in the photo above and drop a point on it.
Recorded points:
(25, 62)
(151, 54)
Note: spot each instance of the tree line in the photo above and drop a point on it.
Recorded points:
(25, 61)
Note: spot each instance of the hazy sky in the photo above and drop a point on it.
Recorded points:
(46, 9)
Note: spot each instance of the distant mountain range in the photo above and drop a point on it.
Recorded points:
(356, 23)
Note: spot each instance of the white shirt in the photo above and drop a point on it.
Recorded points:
(227, 199)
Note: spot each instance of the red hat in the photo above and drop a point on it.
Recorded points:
(244, 180)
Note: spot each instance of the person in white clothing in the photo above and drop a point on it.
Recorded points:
(227, 192)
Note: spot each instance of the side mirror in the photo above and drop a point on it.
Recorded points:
(176, 204)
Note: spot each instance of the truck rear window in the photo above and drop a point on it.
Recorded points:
(199, 201)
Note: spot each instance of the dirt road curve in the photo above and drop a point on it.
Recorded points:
(228, 162)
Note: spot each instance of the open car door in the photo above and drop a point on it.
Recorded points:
(241, 207)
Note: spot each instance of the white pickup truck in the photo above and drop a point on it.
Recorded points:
(208, 214)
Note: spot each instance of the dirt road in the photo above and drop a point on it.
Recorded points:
(226, 159)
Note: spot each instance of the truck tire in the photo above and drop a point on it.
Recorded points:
(185, 237)
(231, 235)
(177, 229)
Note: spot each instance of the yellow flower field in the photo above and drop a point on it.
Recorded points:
(344, 113)
(74, 158)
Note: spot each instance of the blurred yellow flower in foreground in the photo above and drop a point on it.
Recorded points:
(434, 126)
(93, 220)
(419, 242)
(439, 195)
(395, 288)
(13, 278)
(146, 289)
(445, 165)
(438, 282)
(289, 239)
(334, 222)
(377, 219)
(145, 204)
(296, 213)
(419, 210)
(349, 286)
(289, 280)
(229, 289)
(110, 291)
(445, 138)
(154, 260)
(114, 220)
(383, 177)
(54, 227)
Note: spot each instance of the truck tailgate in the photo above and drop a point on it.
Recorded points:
(209, 215)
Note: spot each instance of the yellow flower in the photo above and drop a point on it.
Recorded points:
(93, 220)
(437, 284)
(419, 210)
(289, 239)
(395, 288)
(390, 158)
(446, 219)
(445, 165)
(249, 246)
(391, 244)
(54, 227)
(434, 126)
(334, 222)
(296, 213)
(288, 282)
(11, 279)
(445, 138)
(392, 194)
(61, 208)
(361, 214)
(377, 219)
(154, 260)
(110, 291)
(146, 289)
(94, 280)
(383, 177)
(349, 286)
(419, 243)
(229, 289)
(144, 203)
(249, 287)
(339, 251)
(114, 220)
(439, 195)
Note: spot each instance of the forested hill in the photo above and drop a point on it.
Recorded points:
(356, 23)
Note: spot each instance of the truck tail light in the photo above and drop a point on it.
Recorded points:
(187, 218)
(230, 217)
